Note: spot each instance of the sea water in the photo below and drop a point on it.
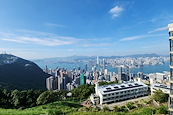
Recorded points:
(145, 69)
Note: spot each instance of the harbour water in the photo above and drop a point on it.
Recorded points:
(146, 69)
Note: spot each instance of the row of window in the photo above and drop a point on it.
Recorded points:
(170, 34)
(124, 92)
(116, 97)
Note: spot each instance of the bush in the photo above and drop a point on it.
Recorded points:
(105, 108)
(130, 105)
(160, 96)
(147, 111)
(162, 110)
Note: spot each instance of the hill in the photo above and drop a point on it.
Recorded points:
(18, 73)
(72, 108)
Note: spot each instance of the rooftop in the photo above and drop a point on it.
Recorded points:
(121, 86)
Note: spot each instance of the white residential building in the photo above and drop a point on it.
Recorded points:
(163, 87)
(118, 92)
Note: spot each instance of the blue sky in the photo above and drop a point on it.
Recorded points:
(35, 29)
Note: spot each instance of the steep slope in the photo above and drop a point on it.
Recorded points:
(19, 73)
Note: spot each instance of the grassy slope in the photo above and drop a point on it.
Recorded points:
(55, 108)
(71, 108)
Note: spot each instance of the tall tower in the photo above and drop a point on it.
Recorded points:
(120, 73)
(104, 64)
(170, 28)
(98, 60)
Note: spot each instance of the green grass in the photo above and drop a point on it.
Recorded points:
(56, 108)
(72, 108)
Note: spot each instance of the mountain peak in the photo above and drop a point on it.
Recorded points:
(21, 73)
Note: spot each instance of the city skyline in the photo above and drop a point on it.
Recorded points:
(59, 28)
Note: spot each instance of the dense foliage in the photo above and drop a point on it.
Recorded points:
(160, 96)
(20, 74)
(107, 83)
(82, 92)
(57, 102)
(30, 98)
(18, 99)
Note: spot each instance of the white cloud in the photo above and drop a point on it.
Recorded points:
(53, 25)
(116, 11)
(47, 39)
(158, 29)
(139, 37)
(96, 44)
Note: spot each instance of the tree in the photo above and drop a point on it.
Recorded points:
(18, 98)
(107, 83)
(83, 91)
(162, 110)
(160, 96)
(47, 97)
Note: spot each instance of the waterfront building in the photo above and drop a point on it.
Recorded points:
(118, 92)
(98, 60)
(104, 64)
(170, 28)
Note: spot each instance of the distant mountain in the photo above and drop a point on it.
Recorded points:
(19, 73)
(56, 59)
(143, 55)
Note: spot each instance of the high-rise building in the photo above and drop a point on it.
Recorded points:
(97, 60)
(170, 28)
(52, 83)
(104, 64)
(86, 67)
(119, 73)
(82, 79)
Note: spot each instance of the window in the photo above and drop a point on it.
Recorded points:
(170, 34)
(108, 88)
(171, 87)
(171, 45)
(171, 102)
(130, 84)
(171, 59)
(115, 87)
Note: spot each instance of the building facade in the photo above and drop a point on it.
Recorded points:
(118, 92)
(170, 28)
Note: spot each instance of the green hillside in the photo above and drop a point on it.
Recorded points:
(18, 73)
(72, 108)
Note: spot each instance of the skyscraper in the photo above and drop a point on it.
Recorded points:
(104, 64)
(97, 60)
(82, 79)
(170, 28)
(120, 73)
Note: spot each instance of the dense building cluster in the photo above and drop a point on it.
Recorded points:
(137, 62)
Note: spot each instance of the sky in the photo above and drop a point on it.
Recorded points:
(36, 29)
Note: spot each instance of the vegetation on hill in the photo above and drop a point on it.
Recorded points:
(37, 102)
(107, 83)
(159, 96)
(18, 73)
(30, 98)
